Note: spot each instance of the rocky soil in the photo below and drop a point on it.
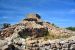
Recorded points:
(32, 33)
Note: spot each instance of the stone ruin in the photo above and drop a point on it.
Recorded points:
(33, 17)
(15, 37)
(36, 32)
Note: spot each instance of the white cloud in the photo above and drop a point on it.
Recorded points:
(5, 17)
(73, 10)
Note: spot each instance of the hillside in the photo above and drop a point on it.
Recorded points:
(32, 33)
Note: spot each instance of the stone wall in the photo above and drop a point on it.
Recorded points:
(37, 32)
(70, 45)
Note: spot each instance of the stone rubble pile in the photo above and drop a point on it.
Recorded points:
(26, 36)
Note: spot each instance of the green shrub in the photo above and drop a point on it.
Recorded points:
(71, 28)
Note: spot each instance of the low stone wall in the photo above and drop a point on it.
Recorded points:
(22, 44)
(53, 46)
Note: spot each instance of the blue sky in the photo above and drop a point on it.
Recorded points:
(60, 12)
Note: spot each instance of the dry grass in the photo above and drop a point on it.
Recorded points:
(56, 36)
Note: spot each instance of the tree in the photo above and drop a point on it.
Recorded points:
(55, 25)
(5, 25)
(38, 16)
(71, 28)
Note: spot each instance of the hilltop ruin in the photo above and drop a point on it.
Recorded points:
(32, 33)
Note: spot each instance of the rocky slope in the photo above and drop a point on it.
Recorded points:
(32, 33)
